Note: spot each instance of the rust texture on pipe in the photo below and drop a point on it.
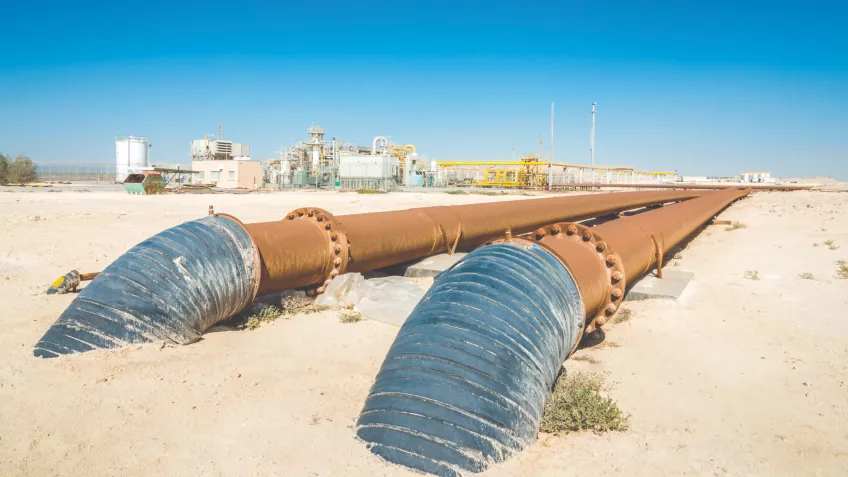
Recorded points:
(310, 246)
(378, 240)
(605, 259)
(753, 187)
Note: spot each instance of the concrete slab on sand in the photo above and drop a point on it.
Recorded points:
(432, 266)
(669, 287)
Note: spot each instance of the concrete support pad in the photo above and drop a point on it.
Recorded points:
(668, 288)
(432, 266)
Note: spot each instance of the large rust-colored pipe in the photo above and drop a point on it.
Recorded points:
(753, 187)
(311, 246)
(603, 260)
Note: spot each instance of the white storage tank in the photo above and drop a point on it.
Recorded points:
(131, 156)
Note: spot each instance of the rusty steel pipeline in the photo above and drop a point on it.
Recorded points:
(310, 246)
(180, 282)
(466, 379)
(606, 258)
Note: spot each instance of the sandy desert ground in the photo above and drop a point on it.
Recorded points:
(738, 377)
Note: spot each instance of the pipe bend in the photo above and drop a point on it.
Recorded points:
(374, 144)
(171, 287)
(465, 381)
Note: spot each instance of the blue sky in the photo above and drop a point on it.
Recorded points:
(701, 87)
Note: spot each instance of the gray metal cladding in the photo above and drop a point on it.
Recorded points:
(173, 286)
(465, 382)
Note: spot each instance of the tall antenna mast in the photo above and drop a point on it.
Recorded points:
(551, 156)
(219, 128)
(592, 134)
(540, 146)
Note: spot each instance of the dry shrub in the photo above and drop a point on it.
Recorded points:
(349, 315)
(806, 276)
(578, 405)
(842, 271)
(296, 304)
(752, 275)
(265, 315)
(735, 226)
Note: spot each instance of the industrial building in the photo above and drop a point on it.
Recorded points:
(132, 156)
(217, 149)
(224, 164)
(755, 177)
(532, 172)
(228, 174)
(318, 162)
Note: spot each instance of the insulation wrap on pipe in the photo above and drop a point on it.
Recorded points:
(465, 382)
(171, 287)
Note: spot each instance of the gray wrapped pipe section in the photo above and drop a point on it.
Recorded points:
(173, 286)
(465, 382)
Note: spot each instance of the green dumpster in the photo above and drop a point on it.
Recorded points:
(147, 183)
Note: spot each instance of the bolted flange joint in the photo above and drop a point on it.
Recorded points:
(338, 250)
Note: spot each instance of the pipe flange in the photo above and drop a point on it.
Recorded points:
(338, 252)
(613, 265)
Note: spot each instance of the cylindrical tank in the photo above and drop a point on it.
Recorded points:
(131, 156)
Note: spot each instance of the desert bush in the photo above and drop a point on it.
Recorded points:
(577, 405)
(21, 171)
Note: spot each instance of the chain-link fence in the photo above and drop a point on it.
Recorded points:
(75, 172)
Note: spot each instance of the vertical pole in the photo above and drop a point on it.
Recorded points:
(551, 157)
(592, 135)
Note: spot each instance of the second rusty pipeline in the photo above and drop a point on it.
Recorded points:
(465, 382)
(605, 259)
(310, 246)
(178, 283)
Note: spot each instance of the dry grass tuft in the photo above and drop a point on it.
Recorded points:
(370, 191)
(806, 276)
(295, 304)
(752, 275)
(842, 271)
(578, 405)
(735, 226)
(349, 315)
(265, 315)
(623, 315)
(831, 245)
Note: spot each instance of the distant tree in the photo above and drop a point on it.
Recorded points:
(21, 171)
(4, 166)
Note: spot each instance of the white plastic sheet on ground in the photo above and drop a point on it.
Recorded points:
(387, 300)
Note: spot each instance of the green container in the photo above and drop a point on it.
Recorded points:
(144, 184)
(300, 178)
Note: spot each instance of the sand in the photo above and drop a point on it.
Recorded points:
(738, 377)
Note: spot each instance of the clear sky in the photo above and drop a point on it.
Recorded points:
(702, 87)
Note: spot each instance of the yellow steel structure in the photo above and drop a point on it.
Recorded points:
(402, 152)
